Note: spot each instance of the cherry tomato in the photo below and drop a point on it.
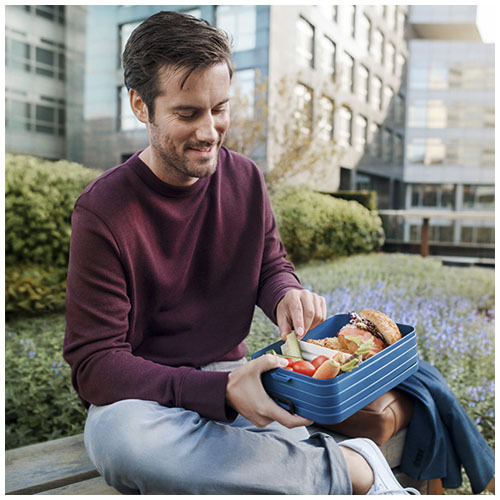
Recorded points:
(289, 367)
(318, 361)
(304, 367)
(291, 361)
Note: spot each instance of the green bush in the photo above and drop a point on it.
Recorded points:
(318, 226)
(34, 289)
(367, 198)
(39, 200)
(40, 403)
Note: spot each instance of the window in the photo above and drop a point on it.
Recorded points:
(479, 197)
(304, 109)
(364, 27)
(48, 117)
(244, 87)
(400, 64)
(350, 18)
(18, 55)
(348, 73)
(18, 115)
(305, 43)
(241, 22)
(477, 234)
(386, 145)
(46, 59)
(345, 126)
(399, 110)
(377, 45)
(54, 13)
(361, 131)
(398, 149)
(362, 83)
(126, 118)
(390, 54)
(376, 93)
(433, 195)
(438, 77)
(436, 114)
(328, 50)
(375, 140)
(326, 116)
(388, 94)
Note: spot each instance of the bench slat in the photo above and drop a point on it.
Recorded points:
(95, 486)
(43, 466)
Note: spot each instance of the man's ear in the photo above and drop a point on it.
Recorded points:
(138, 106)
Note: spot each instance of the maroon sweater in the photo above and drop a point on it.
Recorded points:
(164, 279)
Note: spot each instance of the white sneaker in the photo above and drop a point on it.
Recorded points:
(384, 483)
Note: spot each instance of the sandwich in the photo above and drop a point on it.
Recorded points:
(366, 334)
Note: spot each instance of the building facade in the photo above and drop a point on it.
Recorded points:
(44, 56)
(449, 165)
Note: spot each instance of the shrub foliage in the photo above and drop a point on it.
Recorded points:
(318, 226)
(39, 200)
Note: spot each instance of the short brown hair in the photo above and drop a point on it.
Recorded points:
(171, 38)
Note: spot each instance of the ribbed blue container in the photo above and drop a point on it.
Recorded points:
(333, 400)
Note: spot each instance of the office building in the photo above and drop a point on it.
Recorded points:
(45, 50)
(449, 164)
(343, 80)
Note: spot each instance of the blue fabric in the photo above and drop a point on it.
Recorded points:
(441, 437)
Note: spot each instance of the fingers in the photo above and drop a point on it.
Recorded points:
(300, 310)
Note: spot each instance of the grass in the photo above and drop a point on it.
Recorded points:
(452, 309)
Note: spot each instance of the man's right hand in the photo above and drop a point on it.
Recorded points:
(245, 393)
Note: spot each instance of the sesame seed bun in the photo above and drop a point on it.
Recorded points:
(384, 325)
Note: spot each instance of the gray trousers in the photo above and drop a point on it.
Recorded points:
(143, 447)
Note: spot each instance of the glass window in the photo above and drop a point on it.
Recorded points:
(305, 42)
(326, 117)
(436, 114)
(348, 72)
(480, 197)
(375, 140)
(243, 86)
(328, 56)
(400, 62)
(345, 126)
(390, 54)
(388, 93)
(417, 114)
(362, 83)
(18, 114)
(398, 149)
(304, 110)
(127, 120)
(377, 45)
(51, 12)
(419, 77)
(376, 92)
(399, 110)
(241, 22)
(361, 131)
(438, 77)
(415, 151)
(18, 55)
(363, 34)
(387, 145)
(485, 235)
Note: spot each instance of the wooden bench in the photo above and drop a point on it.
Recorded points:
(59, 467)
(62, 467)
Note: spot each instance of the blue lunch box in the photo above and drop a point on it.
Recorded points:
(331, 401)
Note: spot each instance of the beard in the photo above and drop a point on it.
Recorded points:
(179, 161)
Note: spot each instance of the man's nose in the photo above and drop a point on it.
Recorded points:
(206, 130)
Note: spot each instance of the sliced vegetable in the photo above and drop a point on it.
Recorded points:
(329, 369)
(291, 346)
(350, 365)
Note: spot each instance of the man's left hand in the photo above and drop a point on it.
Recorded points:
(300, 310)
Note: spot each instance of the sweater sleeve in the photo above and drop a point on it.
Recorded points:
(277, 275)
(104, 368)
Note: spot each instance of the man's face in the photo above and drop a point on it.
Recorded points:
(189, 124)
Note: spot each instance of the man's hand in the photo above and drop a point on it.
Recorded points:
(300, 310)
(245, 393)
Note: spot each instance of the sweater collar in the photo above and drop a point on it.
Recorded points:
(165, 189)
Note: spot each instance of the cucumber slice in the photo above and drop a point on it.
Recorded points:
(291, 346)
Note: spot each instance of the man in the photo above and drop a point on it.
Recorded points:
(170, 252)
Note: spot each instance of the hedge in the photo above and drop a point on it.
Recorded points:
(318, 226)
(367, 198)
(39, 200)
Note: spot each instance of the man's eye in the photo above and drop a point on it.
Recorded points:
(188, 116)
